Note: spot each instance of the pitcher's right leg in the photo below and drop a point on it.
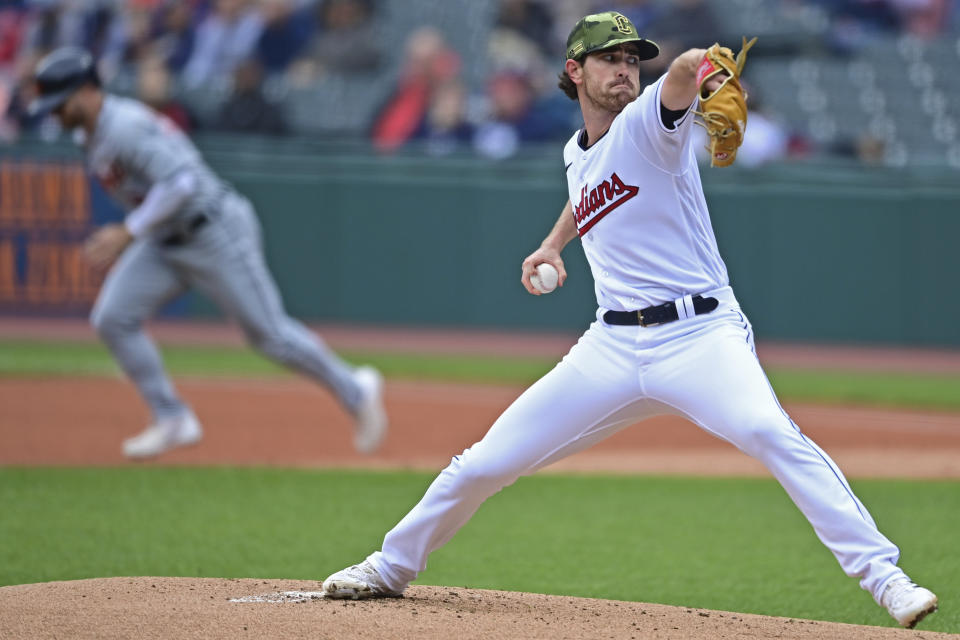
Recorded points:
(564, 412)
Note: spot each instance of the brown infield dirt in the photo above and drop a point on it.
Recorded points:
(195, 608)
(289, 422)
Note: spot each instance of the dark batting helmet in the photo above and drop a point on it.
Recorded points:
(58, 75)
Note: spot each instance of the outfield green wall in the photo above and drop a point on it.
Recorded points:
(815, 252)
(844, 263)
(418, 249)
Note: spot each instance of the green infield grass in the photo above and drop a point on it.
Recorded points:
(866, 388)
(721, 543)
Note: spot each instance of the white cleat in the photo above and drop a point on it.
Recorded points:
(908, 603)
(164, 435)
(371, 419)
(358, 582)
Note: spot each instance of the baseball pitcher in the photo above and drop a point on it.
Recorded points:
(670, 336)
(184, 228)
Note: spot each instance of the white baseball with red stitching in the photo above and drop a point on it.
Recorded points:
(546, 278)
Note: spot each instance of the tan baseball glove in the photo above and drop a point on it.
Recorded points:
(723, 112)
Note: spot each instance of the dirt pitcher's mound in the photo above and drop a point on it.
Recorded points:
(248, 608)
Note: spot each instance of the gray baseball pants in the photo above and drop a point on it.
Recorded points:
(224, 260)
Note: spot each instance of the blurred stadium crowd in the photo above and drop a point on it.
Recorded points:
(868, 79)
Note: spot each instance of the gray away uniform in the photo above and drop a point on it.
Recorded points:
(210, 240)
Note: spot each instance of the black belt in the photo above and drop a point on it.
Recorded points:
(181, 236)
(659, 314)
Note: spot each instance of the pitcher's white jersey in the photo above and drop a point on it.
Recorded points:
(640, 209)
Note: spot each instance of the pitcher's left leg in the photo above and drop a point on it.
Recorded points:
(717, 382)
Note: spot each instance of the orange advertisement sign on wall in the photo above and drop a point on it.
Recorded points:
(45, 216)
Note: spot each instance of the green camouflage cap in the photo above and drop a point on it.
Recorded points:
(604, 30)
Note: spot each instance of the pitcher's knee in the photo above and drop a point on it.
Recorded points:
(481, 474)
(761, 432)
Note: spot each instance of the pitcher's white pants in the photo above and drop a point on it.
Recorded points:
(702, 368)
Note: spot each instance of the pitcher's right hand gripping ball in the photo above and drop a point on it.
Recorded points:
(545, 278)
(724, 111)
